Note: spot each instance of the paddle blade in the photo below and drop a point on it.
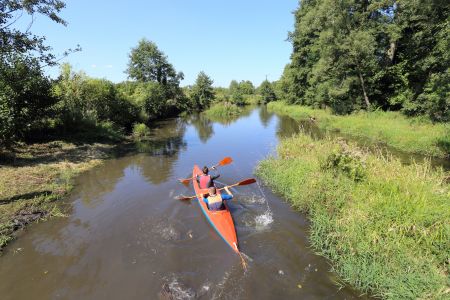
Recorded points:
(185, 181)
(227, 160)
(182, 197)
(246, 181)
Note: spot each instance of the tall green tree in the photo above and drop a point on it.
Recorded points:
(148, 63)
(25, 97)
(267, 92)
(247, 87)
(14, 41)
(352, 54)
(202, 93)
(236, 94)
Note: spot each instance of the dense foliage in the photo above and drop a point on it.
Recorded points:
(351, 55)
(267, 92)
(202, 93)
(24, 90)
(25, 97)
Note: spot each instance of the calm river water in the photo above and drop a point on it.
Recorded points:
(127, 237)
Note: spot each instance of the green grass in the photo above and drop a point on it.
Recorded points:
(33, 177)
(411, 135)
(384, 226)
(223, 110)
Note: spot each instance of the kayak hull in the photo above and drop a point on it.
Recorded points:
(221, 220)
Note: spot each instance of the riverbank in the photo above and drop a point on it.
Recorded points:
(410, 135)
(384, 226)
(33, 177)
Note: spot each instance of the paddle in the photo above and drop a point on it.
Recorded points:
(242, 182)
(226, 161)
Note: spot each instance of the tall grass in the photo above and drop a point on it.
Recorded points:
(412, 135)
(223, 110)
(386, 231)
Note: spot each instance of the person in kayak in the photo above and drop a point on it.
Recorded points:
(205, 180)
(214, 200)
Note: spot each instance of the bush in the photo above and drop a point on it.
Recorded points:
(25, 97)
(140, 131)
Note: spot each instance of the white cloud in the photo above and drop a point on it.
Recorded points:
(93, 66)
(109, 66)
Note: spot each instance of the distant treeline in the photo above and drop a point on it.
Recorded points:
(34, 106)
(351, 55)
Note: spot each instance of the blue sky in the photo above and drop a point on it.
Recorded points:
(242, 40)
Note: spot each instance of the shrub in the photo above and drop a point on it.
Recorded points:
(140, 131)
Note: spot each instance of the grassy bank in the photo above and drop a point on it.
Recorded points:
(33, 177)
(411, 135)
(384, 226)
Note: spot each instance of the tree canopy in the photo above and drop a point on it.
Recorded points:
(202, 93)
(148, 63)
(352, 54)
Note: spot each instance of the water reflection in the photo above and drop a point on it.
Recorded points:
(265, 116)
(203, 126)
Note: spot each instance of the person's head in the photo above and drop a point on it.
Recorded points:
(205, 170)
(212, 191)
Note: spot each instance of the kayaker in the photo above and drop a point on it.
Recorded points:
(215, 200)
(205, 180)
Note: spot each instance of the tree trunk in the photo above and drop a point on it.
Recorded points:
(364, 90)
(391, 52)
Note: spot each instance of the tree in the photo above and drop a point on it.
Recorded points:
(202, 93)
(236, 95)
(247, 87)
(267, 92)
(352, 55)
(15, 42)
(148, 63)
(25, 97)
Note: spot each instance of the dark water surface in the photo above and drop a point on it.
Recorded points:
(128, 238)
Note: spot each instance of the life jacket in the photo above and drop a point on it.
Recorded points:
(205, 181)
(215, 202)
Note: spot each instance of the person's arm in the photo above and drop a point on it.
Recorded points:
(229, 196)
(214, 177)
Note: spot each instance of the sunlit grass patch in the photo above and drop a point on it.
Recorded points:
(386, 231)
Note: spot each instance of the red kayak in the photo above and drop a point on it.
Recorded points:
(220, 220)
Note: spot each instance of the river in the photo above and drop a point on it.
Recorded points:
(127, 237)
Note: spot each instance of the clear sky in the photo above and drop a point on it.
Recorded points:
(228, 39)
